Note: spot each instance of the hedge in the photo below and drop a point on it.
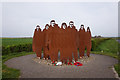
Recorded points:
(97, 41)
(16, 48)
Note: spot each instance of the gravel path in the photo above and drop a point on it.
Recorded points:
(97, 67)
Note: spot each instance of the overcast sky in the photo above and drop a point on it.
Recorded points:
(20, 19)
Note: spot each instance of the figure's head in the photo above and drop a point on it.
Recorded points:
(88, 29)
(52, 23)
(46, 26)
(82, 26)
(64, 25)
(37, 27)
(71, 24)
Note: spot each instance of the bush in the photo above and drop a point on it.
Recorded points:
(97, 41)
(16, 48)
(6, 50)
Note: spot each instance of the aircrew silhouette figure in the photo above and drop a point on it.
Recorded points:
(81, 41)
(63, 41)
(37, 41)
(88, 41)
(46, 43)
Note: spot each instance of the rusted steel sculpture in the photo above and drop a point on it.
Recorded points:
(37, 41)
(82, 41)
(46, 43)
(66, 39)
(88, 41)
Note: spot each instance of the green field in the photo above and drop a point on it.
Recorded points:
(16, 41)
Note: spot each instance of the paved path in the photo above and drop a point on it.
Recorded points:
(99, 67)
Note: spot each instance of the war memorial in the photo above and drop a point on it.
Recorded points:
(65, 39)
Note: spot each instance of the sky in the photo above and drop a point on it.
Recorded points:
(19, 19)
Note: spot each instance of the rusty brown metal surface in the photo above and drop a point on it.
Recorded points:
(82, 40)
(66, 39)
(37, 41)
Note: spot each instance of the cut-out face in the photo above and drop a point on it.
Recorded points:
(64, 26)
(82, 26)
(37, 27)
(88, 29)
(52, 23)
(71, 24)
(47, 27)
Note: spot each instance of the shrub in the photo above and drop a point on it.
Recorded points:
(97, 41)
(16, 48)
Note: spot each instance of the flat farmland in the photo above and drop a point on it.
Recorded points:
(15, 41)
